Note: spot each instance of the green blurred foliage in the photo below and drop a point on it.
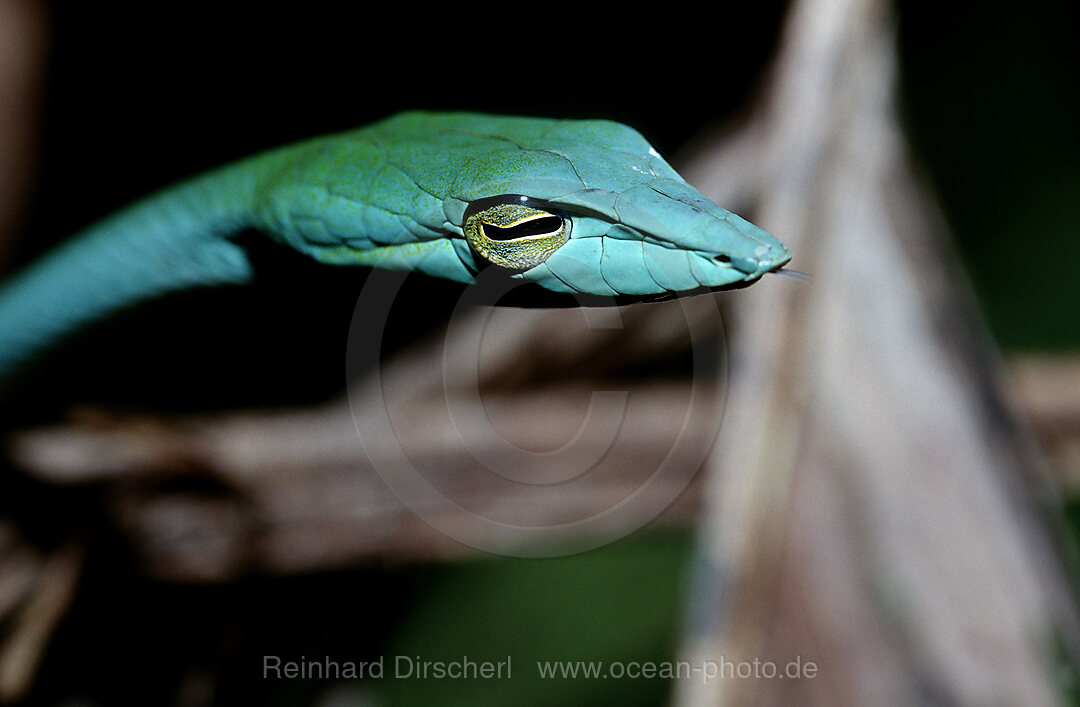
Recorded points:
(992, 95)
(620, 603)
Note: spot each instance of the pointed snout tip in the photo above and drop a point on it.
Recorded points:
(765, 258)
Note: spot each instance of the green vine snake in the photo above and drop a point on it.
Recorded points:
(574, 206)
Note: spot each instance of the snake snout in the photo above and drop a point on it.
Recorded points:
(764, 258)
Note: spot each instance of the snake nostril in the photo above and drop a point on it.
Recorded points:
(721, 258)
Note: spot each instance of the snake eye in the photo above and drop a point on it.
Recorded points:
(515, 231)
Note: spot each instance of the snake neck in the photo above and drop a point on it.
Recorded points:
(173, 240)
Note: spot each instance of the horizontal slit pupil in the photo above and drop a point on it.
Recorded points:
(535, 227)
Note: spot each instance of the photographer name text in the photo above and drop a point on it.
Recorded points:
(400, 666)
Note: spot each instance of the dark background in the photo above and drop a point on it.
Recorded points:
(139, 97)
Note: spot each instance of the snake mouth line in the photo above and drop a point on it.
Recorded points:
(751, 267)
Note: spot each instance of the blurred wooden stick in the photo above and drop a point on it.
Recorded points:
(49, 585)
(1047, 389)
(209, 498)
(873, 507)
(23, 42)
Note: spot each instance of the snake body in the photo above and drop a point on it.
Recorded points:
(574, 206)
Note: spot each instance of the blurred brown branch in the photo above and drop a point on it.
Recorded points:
(23, 41)
(1047, 389)
(296, 491)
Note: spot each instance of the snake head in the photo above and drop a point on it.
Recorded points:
(590, 207)
(576, 206)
